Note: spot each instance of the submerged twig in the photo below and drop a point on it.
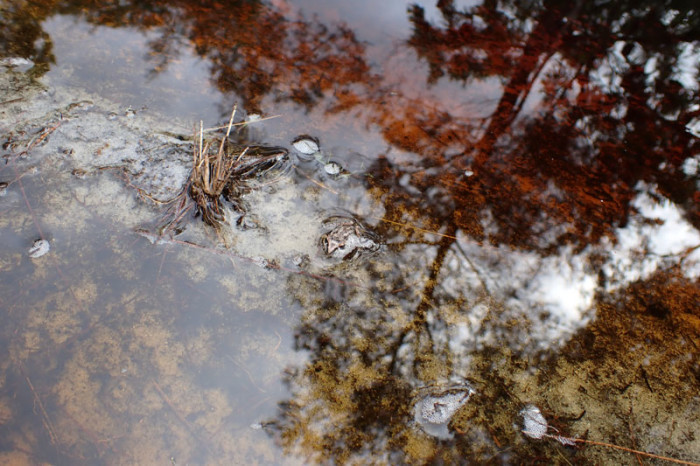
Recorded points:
(46, 421)
(177, 413)
(317, 183)
(29, 206)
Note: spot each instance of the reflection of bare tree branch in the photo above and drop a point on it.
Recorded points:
(541, 45)
(473, 267)
(431, 281)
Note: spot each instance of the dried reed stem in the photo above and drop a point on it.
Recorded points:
(242, 123)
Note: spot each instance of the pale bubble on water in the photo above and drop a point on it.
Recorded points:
(306, 145)
(434, 412)
(39, 248)
(332, 168)
(535, 425)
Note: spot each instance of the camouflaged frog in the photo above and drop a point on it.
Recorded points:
(345, 237)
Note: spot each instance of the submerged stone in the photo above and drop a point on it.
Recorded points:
(345, 237)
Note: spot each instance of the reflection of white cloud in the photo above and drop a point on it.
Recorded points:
(674, 235)
(563, 289)
(556, 294)
(557, 287)
(686, 67)
(642, 247)
(522, 284)
(690, 165)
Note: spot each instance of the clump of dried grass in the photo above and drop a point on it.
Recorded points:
(210, 175)
(218, 174)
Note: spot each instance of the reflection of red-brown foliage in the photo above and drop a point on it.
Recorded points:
(562, 172)
(254, 49)
(566, 172)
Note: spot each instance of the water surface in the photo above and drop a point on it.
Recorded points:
(530, 169)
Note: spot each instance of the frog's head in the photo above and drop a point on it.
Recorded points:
(332, 243)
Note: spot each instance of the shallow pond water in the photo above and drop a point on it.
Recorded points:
(519, 277)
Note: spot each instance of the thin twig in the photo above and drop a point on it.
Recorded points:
(29, 207)
(175, 411)
(44, 134)
(201, 135)
(4, 102)
(406, 225)
(162, 261)
(476, 271)
(317, 183)
(221, 148)
(250, 376)
(44, 415)
(610, 445)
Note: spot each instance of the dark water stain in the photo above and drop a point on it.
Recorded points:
(532, 170)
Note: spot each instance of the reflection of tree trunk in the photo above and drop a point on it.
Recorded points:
(418, 324)
(427, 295)
(540, 46)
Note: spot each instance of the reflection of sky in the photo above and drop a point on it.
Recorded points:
(114, 63)
(555, 294)
(642, 248)
(562, 287)
(548, 298)
(369, 23)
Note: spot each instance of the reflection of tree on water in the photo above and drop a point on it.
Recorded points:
(255, 51)
(23, 36)
(592, 110)
(601, 121)
(565, 172)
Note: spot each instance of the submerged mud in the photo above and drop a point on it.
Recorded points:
(133, 352)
